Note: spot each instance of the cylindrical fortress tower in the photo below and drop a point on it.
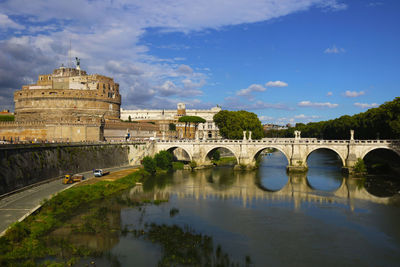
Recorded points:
(68, 95)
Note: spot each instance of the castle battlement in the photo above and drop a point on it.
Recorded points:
(68, 95)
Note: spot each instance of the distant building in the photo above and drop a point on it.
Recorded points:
(163, 117)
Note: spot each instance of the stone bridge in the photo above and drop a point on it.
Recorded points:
(296, 150)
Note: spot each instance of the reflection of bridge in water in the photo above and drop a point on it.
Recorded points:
(243, 186)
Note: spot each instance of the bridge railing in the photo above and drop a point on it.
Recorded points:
(278, 141)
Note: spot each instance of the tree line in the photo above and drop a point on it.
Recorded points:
(382, 122)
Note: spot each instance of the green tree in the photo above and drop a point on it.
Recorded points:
(129, 118)
(149, 164)
(381, 122)
(196, 120)
(231, 124)
(172, 127)
(164, 160)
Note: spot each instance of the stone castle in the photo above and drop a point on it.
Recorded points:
(68, 95)
(67, 105)
(70, 105)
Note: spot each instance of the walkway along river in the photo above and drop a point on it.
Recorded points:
(262, 217)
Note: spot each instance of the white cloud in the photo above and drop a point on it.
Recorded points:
(6, 22)
(334, 50)
(236, 104)
(189, 84)
(317, 104)
(265, 118)
(333, 5)
(374, 4)
(329, 94)
(365, 105)
(276, 84)
(354, 93)
(252, 88)
(107, 36)
(305, 117)
(185, 69)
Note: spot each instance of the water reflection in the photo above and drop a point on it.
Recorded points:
(244, 211)
(324, 170)
(249, 186)
(272, 172)
(241, 212)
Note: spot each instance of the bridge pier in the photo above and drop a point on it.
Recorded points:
(298, 159)
(351, 156)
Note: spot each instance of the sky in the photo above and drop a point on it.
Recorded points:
(288, 61)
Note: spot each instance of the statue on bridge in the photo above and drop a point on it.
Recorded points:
(297, 134)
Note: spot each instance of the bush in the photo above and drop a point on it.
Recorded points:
(359, 167)
(149, 164)
(178, 165)
(193, 164)
(216, 155)
(163, 160)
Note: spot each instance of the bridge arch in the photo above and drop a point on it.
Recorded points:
(376, 148)
(208, 151)
(172, 148)
(258, 152)
(328, 148)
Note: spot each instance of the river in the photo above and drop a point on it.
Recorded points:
(264, 217)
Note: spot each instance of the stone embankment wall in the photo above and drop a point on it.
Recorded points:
(22, 165)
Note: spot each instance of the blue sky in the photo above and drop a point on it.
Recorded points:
(287, 60)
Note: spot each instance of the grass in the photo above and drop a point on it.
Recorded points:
(25, 241)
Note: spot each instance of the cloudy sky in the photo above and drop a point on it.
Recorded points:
(286, 60)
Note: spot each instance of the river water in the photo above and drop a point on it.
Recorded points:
(316, 219)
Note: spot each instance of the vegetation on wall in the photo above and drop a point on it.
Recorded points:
(231, 124)
(6, 117)
(382, 122)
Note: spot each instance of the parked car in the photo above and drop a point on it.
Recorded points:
(100, 172)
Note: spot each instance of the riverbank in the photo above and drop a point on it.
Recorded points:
(25, 241)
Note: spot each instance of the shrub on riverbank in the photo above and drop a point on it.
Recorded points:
(149, 164)
(227, 161)
(178, 165)
(162, 161)
(359, 167)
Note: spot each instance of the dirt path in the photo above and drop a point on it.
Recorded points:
(110, 177)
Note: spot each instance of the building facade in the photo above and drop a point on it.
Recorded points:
(163, 117)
